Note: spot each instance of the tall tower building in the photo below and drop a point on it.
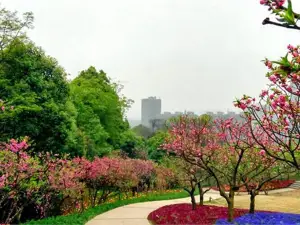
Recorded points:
(151, 109)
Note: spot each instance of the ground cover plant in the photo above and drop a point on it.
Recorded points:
(183, 214)
(266, 218)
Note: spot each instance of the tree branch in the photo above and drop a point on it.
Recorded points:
(268, 21)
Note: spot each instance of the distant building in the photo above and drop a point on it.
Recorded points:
(151, 109)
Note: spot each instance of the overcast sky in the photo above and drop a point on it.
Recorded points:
(195, 55)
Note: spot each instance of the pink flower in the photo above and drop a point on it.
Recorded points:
(3, 108)
(273, 78)
(289, 89)
(280, 2)
(290, 47)
(263, 93)
(262, 152)
(295, 54)
(268, 64)
(281, 98)
(274, 104)
(243, 106)
(263, 2)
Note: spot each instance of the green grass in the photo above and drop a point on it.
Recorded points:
(92, 212)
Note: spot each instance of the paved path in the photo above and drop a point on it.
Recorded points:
(136, 214)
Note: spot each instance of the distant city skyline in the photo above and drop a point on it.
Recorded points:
(195, 56)
(163, 110)
(151, 111)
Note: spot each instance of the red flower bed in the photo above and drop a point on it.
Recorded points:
(272, 185)
(183, 214)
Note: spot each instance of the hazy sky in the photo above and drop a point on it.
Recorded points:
(195, 55)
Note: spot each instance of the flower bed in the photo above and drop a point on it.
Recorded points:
(272, 185)
(266, 218)
(183, 214)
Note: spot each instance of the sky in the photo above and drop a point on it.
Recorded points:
(195, 55)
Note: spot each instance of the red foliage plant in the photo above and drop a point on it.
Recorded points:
(183, 214)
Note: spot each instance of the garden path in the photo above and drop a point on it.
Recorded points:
(136, 214)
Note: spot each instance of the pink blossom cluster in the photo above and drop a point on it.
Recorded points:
(274, 3)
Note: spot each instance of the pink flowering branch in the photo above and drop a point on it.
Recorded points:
(285, 16)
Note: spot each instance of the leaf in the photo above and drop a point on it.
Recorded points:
(289, 15)
(284, 61)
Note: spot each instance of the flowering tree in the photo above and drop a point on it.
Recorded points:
(277, 110)
(165, 178)
(283, 12)
(219, 148)
(104, 176)
(192, 177)
(271, 168)
(144, 170)
(16, 170)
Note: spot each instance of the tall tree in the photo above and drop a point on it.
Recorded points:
(101, 110)
(35, 87)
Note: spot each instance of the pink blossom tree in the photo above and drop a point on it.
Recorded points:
(276, 111)
(219, 148)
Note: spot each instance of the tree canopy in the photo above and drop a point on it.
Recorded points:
(100, 111)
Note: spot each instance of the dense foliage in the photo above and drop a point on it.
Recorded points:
(35, 87)
(100, 115)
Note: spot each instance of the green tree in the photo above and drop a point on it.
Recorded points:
(142, 131)
(154, 150)
(133, 146)
(100, 112)
(35, 85)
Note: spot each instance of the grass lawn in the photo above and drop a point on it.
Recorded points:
(92, 212)
(288, 202)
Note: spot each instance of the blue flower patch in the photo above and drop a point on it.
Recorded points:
(264, 218)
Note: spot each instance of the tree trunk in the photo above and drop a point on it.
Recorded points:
(231, 206)
(201, 193)
(252, 202)
(193, 200)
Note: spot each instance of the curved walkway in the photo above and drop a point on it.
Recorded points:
(136, 214)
